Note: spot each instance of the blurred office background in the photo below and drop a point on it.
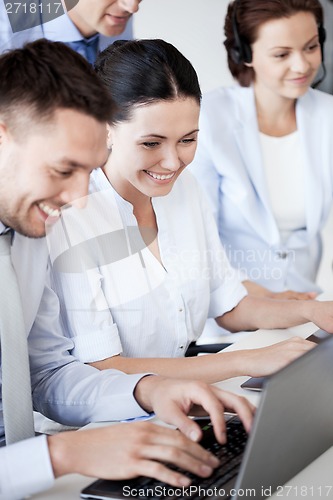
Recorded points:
(195, 27)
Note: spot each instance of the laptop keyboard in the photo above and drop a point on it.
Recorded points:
(221, 481)
(230, 456)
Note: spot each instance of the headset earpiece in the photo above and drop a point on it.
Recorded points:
(322, 38)
(241, 52)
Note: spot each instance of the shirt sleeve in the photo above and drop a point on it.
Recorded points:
(226, 289)
(66, 390)
(85, 315)
(25, 468)
(209, 179)
(204, 168)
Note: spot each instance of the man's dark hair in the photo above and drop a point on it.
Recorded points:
(44, 76)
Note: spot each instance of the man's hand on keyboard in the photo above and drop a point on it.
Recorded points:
(128, 450)
(173, 400)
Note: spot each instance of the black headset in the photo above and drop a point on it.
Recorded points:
(241, 52)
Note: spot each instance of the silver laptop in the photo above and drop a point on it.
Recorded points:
(293, 426)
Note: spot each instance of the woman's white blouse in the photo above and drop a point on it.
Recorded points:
(116, 297)
(285, 180)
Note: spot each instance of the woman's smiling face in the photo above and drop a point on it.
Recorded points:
(152, 148)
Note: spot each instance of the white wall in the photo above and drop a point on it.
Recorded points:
(195, 27)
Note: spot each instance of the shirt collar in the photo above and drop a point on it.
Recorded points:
(62, 29)
(102, 182)
(3, 228)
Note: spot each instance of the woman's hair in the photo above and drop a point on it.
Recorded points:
(246, 16)
(140, 72)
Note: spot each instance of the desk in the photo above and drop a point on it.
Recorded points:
(317, 477)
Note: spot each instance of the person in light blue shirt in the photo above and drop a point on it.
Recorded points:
(87, 28)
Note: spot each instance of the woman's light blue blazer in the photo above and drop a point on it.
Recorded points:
(229, 165)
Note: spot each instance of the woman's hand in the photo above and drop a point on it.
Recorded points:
(267, 360)
(257, 290)
(320, 313)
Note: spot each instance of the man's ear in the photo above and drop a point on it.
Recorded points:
(109, 140)
(3, 132)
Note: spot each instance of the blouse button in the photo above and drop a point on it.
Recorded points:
(180, 310)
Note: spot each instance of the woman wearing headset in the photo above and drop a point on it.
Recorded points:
(265, 149)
